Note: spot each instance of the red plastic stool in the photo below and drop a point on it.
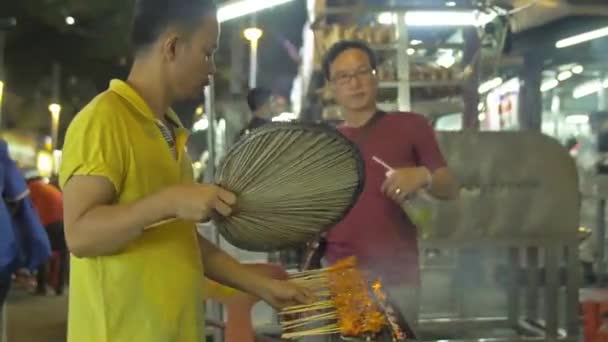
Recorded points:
(594, 306)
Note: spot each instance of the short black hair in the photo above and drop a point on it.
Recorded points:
(257, 98)
(152, 17)
(338, 48)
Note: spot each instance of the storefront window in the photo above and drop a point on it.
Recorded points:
(502, 107)
(450, 122)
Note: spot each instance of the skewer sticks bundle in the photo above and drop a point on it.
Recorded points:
(347, 305)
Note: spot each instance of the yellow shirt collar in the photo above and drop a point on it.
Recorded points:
(127, 92)
(124, 90)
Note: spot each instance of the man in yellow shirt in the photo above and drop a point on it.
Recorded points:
(124, 169)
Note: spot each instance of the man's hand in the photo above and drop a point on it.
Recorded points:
(400, 183)
(282, 293)
(197, 202)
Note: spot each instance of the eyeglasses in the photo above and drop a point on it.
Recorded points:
(345, 78)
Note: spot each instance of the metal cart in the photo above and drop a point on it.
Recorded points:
(514, 227)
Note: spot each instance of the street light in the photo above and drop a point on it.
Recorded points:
(253, 35)
(55, 110)
(239, 8)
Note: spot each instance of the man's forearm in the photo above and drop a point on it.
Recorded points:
(107, 229)
(224, 269)
(444, 185)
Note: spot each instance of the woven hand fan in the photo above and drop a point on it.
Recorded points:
(293, 181)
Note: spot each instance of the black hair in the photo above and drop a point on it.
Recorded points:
(338, 48)
(257, 98)
(152, 17)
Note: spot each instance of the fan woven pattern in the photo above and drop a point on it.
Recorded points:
(293, 181)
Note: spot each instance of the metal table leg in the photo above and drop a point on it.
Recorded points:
(551, 290)
(572, 288)
(3, 323)
(601, 239)
(532, 284)
(513, 291)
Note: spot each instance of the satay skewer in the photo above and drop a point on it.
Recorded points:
(320, 303)
(312, 307)
(347, 263)
(308, 320)
(347, 305)
(326, 330)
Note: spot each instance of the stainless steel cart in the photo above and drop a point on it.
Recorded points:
(514, 229)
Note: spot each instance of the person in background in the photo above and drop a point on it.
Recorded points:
(587, 253)
(278, 104)
(377, 231)
(571, 144)
(259, 101)
(23, 242)
(48, 202)
(130, 201)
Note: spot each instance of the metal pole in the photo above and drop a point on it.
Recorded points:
(602, 97)
(5, 24)
(513, 290)
(532, 296)
(3, 323)
(54, 131)
(237, 65)
(2, 84)
(555, 110)
(253, 64)
(403, 64)
(572, 287)
(552, 287)
(55, 116)
(601, 237)
(210, 112)
(56, 82)
(2, 73)
(602, 104)
(216, 311)
(470, 118)
(530, 104)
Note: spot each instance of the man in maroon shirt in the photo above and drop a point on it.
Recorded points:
(377, 231)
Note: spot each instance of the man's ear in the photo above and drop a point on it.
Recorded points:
(170, 46)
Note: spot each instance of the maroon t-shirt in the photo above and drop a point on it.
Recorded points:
(376, 230)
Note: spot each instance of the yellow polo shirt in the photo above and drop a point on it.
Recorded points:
(151, 291)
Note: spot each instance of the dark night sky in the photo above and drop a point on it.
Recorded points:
(91, 51)
(276, 69)
(287, 22)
